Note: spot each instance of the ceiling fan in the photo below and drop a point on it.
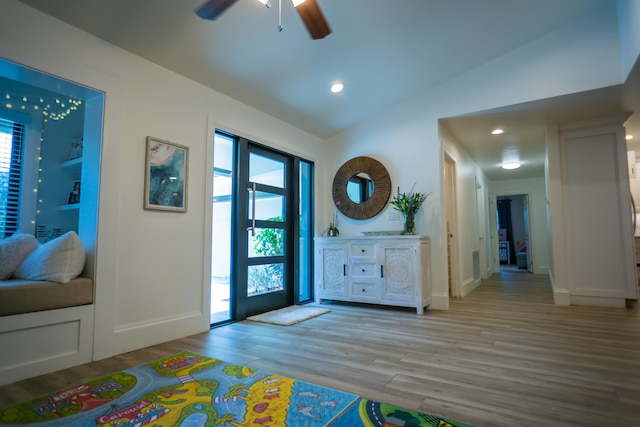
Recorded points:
(308, 10)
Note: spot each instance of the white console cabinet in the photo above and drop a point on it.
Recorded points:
(389, 270)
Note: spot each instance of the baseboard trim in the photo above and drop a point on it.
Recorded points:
(598, 301)
(439, 302)
(561, 297)
(469, 286)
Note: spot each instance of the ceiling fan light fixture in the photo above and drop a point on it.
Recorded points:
(308, 10)
(313, 18)
(212, 9)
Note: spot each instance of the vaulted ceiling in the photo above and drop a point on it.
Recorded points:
(384, 51)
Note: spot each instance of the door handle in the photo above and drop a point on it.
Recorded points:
(382, 271)
(252, 227)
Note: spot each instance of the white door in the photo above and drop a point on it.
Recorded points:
(527, 241)
(452, 238)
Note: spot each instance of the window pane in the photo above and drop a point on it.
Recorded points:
(306, 234)
(11, 137)
(269, 206)
(221, 229)
(266, 242)
(265, 278)
(266, 171)
(223, 153)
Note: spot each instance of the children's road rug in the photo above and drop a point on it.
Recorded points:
(191, 390)
(289, 315)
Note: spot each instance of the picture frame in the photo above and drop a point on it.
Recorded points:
(77, 146)
(166, 175)
(74, 193)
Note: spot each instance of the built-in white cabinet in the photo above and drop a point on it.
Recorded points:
(389, 270)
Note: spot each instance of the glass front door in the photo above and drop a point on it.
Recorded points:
(262, 200)
(264, 254)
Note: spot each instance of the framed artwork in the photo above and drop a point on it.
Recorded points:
(76, 148)
(74, 193)
(166, 173)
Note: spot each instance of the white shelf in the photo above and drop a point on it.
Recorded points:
(71, 207)
(74, 165)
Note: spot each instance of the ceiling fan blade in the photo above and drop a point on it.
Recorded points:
(211, 9)
(313, 19)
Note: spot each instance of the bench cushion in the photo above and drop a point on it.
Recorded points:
(24, 296)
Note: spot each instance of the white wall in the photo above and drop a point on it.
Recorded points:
(152, 266)
(629, 21)
(471, 230)
(581, 56)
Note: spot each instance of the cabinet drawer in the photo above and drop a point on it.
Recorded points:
(364, 269)
(363, 250)
(364, 290)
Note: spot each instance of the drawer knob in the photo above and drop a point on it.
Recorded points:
(363, 270)
(363, 251)
(364, 290)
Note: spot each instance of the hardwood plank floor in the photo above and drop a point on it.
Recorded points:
(502, 356)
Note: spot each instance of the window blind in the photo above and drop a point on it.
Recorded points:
(11, 143)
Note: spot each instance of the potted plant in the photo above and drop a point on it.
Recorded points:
(333, 230)
(409, 204)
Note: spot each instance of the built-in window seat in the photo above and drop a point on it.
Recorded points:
(19, 296)
(46, 308)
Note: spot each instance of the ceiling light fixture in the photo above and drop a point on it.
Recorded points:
(497, 131)
(337, 87)
(511, 165)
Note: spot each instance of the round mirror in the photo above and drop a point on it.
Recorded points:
(361, 188)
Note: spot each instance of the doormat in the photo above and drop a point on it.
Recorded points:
(289, 315)
(188, 389)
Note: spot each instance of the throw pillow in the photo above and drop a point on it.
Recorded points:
(13, 251)
(58, 260)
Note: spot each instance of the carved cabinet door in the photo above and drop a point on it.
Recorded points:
(398, 273)
(333, 270)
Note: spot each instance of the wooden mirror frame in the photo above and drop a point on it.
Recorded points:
(381, 188)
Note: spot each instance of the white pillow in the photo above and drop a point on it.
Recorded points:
(13, 251)
(58, 260)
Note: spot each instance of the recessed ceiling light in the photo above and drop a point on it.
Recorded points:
(497, 131)
(628, 136)
(511, 165)
(337, 87)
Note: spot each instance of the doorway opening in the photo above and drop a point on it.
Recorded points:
(452, 242)
(514, 243)
(261, 229)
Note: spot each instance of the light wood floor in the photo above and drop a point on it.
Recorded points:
(502, 356)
